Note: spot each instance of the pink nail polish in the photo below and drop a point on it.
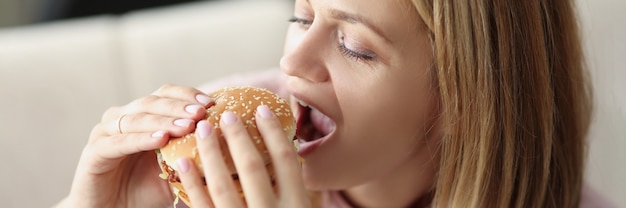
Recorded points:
(158, 134)
(228, 118)
(183, 122)
(203, 99)
(193, 109)
(203, 129)
(264, 111)
(183, 165)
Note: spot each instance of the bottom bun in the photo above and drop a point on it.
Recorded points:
(180, 194)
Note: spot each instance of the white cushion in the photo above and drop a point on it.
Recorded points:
(57, 79)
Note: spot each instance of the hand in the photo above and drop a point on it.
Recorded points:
(254, 179)
(118, 167)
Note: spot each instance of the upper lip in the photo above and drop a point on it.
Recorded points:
(299, 98)
(304, 99)
(298, 108)
(303, 92)
(304, 123)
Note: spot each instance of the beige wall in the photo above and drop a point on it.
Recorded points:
(604, 33)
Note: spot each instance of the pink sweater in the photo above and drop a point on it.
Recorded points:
(590, 199)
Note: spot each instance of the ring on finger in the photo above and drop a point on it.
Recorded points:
(119, 124)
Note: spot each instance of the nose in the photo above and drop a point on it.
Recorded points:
(305, 54)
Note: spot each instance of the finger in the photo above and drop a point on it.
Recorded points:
(281, 150)
(121, 145)
(112, 113)
(248, 162)
(192, 182)
(141, 123)
(218, 177)
(183, 93)
(165, 106)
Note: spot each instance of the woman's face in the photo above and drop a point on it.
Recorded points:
(363, 68)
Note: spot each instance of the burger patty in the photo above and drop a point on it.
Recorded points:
(172, 176)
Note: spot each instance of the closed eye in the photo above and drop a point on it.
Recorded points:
(357, 55)
(304, 23)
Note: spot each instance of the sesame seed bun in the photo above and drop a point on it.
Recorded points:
(242, 101)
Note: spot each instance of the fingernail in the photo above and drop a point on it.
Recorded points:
(228, 118)
(203, 129)
(183, 122)
(264, 111)
(158, 134)
(183, 165)
(193, 109)
(204, 99)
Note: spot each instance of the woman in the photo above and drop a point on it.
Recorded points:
(438, 103)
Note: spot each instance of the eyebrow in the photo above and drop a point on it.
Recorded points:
(356, 19)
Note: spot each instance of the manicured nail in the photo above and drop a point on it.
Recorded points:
(193, 109)
(204, 99)
(228, 118)
(183, 122)
(158, 134)
(264, 111)
(183, 165)
(203, 129)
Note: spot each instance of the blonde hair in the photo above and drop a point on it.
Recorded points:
(515, 102)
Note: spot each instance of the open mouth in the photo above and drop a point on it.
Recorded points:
(312, 126)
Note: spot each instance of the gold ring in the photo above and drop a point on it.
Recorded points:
(119, 124)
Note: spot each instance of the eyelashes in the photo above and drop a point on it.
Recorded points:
(302, 22)
(365, 56)
(356, 55)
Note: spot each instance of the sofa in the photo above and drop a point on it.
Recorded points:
(56, 79)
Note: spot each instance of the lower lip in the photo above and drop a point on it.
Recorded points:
(307, 148)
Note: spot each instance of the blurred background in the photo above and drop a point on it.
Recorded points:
(20, 12)
(63, 62)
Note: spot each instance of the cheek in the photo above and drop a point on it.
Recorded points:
(384, 116)
(388, 103)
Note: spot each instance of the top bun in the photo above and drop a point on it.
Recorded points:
(242, 101)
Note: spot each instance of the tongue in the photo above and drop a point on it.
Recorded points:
(322, 123)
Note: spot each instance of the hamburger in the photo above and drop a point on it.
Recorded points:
(242, 101)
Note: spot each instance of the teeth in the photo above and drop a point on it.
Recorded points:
(303, 104)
